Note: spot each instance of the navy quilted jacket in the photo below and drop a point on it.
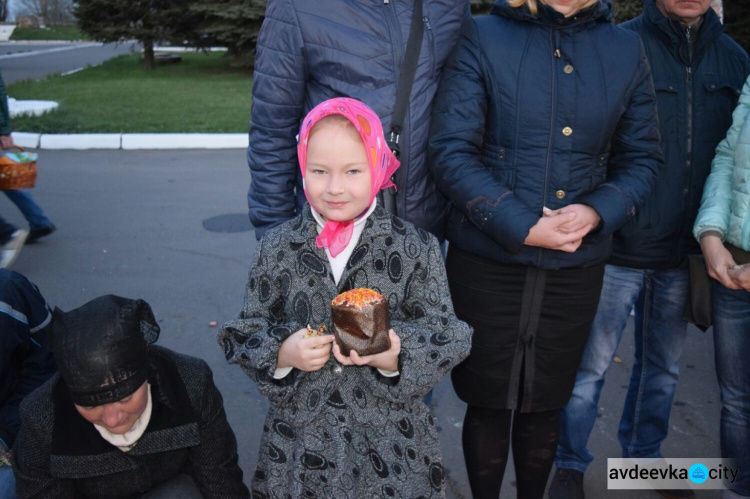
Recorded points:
(543, 111)
(695, 95)
(311, 51)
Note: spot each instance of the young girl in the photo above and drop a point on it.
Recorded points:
(346, 427)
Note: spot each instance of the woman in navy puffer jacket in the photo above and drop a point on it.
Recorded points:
(544, 137)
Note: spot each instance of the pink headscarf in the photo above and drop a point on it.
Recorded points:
(336, 235)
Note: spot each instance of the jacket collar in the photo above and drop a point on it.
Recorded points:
(672, 33)
(303, 231)
(173, 425)
(547, 16)
(304, 227)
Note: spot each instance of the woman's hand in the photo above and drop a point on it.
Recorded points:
(740, 275)
(585, 216)
(718, 260)
(552, 231)
(387, 361)
(305, 354)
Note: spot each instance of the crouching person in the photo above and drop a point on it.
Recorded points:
(124, 417)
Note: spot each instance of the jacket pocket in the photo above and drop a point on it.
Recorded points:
(495, 159)
(711, 85)
(720, 98)
(599, 172)
(667, 98)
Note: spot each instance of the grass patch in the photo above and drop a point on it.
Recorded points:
(59, 32)
(201, 94)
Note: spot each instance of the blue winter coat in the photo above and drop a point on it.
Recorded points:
(695, 98)
(26, 360)
(543, 111)
(311, 51)
(725, 207)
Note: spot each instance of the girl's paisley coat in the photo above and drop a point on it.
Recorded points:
(347, 431)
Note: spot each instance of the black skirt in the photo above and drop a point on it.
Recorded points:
(530, 330)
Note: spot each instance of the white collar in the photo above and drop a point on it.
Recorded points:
(127, 440)
(358, 221)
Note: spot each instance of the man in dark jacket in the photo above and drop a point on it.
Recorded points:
(698, 73)
(309, 52)
(27, 361)
(124, 417)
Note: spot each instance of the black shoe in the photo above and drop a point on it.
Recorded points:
(35, 234)
(676, 493)
(566, 484)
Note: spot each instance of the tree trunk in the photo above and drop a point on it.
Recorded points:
(149, 61)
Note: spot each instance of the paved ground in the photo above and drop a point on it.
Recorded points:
(133, 223)
(37, 60)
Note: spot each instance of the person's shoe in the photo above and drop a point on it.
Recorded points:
(10, 250)
(566, 484)
(676, 493)
(35, 234)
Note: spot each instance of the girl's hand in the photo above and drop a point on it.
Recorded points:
(718, 260)
(549, 232)
(387, 361)
(740, 275)
(305, 354)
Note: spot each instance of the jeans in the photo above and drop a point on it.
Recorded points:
(660, 332)
(7, 483)
(732, 350)
(32, 212)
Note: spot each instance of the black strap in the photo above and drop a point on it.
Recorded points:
(406, 79)
(403, 91)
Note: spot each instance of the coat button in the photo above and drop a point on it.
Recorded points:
(567, 131)
(568, 69)
(560, 194)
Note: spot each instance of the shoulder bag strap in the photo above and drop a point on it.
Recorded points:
(403, 91)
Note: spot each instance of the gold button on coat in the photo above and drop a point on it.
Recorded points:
(560, 194)
(568, 69)
(567, 131)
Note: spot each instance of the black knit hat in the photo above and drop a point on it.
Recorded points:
(101, 348)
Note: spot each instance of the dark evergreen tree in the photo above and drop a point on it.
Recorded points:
(737, 20)
(233, 24)
(624, 10)
(148, 21)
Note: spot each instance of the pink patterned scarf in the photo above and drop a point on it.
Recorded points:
(336, 235)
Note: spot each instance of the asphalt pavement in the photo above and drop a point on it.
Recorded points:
(170, 226)
(37, 60)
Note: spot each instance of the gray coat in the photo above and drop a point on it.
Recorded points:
(348, 433)
(59, 454)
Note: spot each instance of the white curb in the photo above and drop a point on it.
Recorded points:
(132, 141)
(184, 141)
(80, 141)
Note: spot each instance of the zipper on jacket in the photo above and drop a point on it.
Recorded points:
(689, 84)
(431, 41)
(689, 139)
(555, 42)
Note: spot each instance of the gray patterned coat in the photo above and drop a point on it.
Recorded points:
(348, 432)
